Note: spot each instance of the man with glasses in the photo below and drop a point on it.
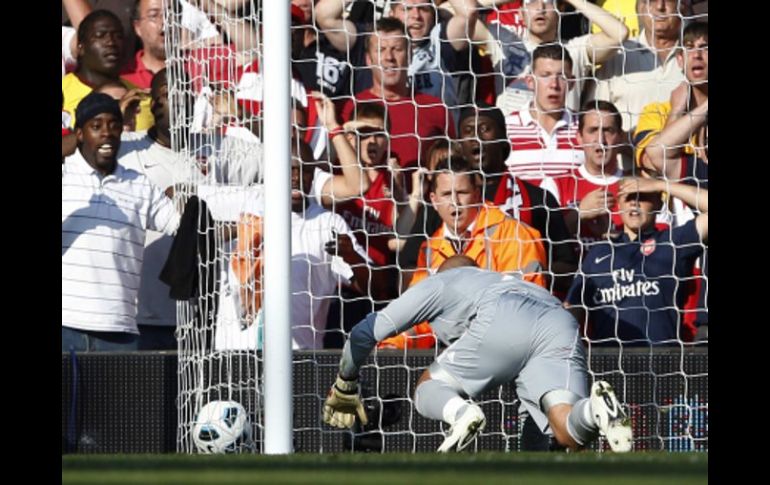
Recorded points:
(148, 25)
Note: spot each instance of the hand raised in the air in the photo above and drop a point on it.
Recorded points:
(326, 111)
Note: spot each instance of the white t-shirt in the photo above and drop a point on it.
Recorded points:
(636, 77)
(163, 166)
(320, 177)
(315, 275)
(104, 222)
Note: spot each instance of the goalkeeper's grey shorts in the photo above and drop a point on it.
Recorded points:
(517, 335)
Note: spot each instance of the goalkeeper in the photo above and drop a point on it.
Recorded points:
(497, 328)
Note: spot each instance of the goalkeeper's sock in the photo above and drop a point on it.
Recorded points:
(581, 425)
(453, 409)
(438, 400)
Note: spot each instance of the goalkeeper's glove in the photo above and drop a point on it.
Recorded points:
(343, 404)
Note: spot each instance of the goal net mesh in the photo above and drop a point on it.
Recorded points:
(214, 63)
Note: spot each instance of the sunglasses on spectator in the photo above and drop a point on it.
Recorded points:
(366, 132)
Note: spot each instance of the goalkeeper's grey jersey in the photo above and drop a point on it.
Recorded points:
(448, 300)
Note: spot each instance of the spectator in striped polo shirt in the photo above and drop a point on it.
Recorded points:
(106, 211)
(544, 136)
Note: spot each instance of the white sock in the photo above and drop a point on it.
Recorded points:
(452, 409)
(581, 425)
(437, 400)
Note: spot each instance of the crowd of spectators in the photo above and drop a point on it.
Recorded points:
(564, 142)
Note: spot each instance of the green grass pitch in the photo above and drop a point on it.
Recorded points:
(587, 468)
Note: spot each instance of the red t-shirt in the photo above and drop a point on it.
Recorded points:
(136, 73)
(371, 218)
(574, 186)
(507, 15)
(414, 124)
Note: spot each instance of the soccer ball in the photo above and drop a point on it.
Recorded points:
(222, 427)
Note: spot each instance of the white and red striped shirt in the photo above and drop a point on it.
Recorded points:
(535, 153)
(570, 190)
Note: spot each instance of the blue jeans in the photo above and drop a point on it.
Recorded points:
(87, 341)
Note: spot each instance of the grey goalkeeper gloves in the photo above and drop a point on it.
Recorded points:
(343, 404)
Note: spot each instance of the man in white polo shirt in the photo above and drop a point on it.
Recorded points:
(106, 211)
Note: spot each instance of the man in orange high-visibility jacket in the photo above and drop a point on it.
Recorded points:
(475, 229)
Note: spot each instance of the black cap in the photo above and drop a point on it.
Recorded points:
(95, 104)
